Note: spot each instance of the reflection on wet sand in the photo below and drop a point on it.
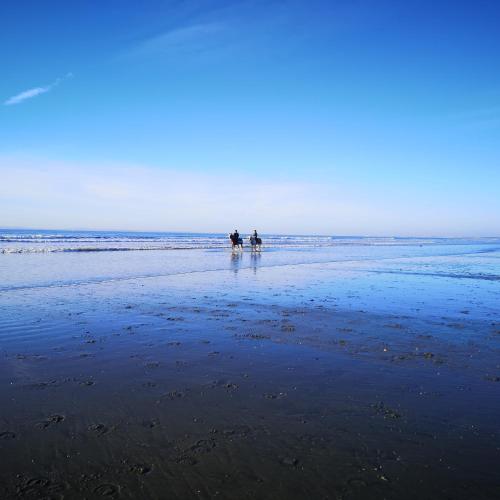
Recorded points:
(236, 260)
(327, 381)
(255, 258)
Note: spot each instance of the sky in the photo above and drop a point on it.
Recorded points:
(351, 117)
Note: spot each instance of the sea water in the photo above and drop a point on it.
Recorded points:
(46, 258)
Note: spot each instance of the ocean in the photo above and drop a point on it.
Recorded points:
(47, 240)
(45, 258)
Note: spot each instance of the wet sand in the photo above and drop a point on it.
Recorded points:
(304, 381)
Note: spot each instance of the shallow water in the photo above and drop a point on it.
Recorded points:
(33, 258)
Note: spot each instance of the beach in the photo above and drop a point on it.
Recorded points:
(315, 369)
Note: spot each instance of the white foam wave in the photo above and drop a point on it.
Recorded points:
(38, 241)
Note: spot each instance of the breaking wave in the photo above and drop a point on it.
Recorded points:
(44, 241)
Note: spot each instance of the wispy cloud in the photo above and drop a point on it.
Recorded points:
(198, 37)
(36, 192)
(36, 91)
(104, 195)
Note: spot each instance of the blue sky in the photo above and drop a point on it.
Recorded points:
(333, 117)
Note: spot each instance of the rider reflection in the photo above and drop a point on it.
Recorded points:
(236, 261)
(255, 256)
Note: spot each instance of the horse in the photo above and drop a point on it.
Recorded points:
(236, 242)
(255, 243)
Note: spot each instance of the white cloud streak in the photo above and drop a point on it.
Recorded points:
(36, 91)
(27, 94)
(35, 192)
(195, 38)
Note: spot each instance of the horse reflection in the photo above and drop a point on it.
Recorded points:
(255, 257)
(236, 259)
